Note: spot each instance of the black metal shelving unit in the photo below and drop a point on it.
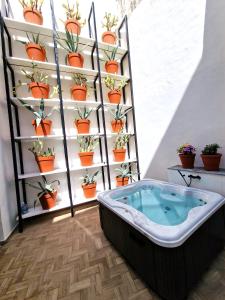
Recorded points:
(13, 113)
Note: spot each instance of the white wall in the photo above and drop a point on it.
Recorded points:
(178, 61)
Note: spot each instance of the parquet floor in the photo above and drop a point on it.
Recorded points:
(58, 257)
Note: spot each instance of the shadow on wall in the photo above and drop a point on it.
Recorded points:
(200, 116)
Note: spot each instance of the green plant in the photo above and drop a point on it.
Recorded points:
(39, 115)
(124, 171)
(79, 79)
(186, 149)
(87, 144)
(38, 149)
(121, 140)
(110, 54)
(73, 12)
(33, 4)
(33, 39)
(109, 21)
(71, 42)
(110, 83)
(118, 113)
(45, 187)
(83, 113)
(210, 149)
(90, 178)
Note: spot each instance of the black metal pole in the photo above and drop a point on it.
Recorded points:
(13, 146)
(61, 108)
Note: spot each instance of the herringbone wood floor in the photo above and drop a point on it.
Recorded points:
(58, 257)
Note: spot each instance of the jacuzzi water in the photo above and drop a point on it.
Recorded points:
(160, 206)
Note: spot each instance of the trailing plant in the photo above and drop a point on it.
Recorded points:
(109, 21)
(38, 149)
(186, 149)
(87, 144)
(33, 4)
(118, 113)
(110, 54)
(121, 140)
(124, 171)
(73, 12)
(90, 178)
(83, 113)
(210, 149)
(79, 79)
(110, 83)
(33, 39)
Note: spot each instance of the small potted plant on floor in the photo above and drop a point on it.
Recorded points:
(41, 123)
(119, 115)
(32, 11)
(87, 146)
(109, 22)
(48, 193)
(124, 174)
(111, 63)
(74, 22)
(89, 185)
(82, 123)
(79, 89)
(114, 95)
(187, 155)
(119, 150)
(71, 45)
(210, 157)
(35, 49)
(45, 158)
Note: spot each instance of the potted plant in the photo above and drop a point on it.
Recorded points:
(82, 123)
(187, 155)
(35, 49)
(73, 23)
(114, 95)
(71, 45)
(210, 157)
(109, 22)
(32, 11)
(124, 174)
(48, 193)
(89, 185)
(87, 146)
(118, 118)
(41, 123)
(111, 63)
(119, 150)
(79, 89)
(44, 158)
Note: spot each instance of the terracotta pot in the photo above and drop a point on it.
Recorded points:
(82, 125)
(112, 66)
(72, 25)
(211, 162)
(117, 125)
(119, 154)
(44, 128)
(45, 163)
(109, 37)
(121, 181)
(89, 190)
(35, 52)
(86, 158)
(187, 160)
(75, 60)
(32, 16)
(48, 200)
(79, 92)
(114, 97)
(39, 89)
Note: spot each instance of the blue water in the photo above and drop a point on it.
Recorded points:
(161, 207)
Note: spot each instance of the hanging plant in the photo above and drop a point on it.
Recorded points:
(82, 123)
(32, 11)
(118, 118)
(114, 95)
(109, 22)
(35, 49)
(119, 150)
(87, 146)
(74, 22)
(89, 184)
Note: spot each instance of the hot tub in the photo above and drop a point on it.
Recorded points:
(168, 233)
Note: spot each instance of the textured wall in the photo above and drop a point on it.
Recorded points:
(178, 60)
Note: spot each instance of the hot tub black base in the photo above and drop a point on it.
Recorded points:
(170, 272)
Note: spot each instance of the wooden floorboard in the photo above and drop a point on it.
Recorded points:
(59, 257)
